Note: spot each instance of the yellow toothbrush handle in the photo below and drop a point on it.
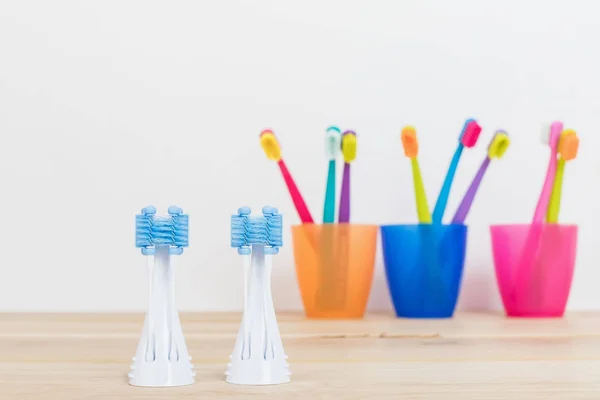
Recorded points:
(554, 205)
(422, 207)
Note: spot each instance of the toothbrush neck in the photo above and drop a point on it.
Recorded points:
(258, 255)
(162, 260)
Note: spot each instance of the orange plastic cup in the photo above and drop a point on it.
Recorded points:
(334, 266)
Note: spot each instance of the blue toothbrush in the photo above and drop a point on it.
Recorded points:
(333, 140)
(468, 138)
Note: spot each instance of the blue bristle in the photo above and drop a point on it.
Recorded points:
(275, 230)
(180, 230)
(162, 231)
(143, 231)
(257, 232)
(265, 230)
(238, 230)
(169, 231)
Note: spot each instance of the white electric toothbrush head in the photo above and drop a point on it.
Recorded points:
(258, 357)
(162, 358)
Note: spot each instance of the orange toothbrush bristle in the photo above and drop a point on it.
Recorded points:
(410, 142)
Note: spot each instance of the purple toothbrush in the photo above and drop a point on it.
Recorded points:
(496, 149)
(349, 153)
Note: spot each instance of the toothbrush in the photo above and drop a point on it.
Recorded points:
(550, 137)
(271, 147)
(496, 149)
(524, 270)
(468, 138)
(258, 357)
(411, 149)
(349, 153)
(161, 358)
(568, 145)
(332, 149)
(429, 260)
(333, 270)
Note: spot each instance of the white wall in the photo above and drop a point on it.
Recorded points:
(108, 106)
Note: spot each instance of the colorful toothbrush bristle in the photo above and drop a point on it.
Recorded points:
(470, 133)
(333, 140)
(349, 146)
(270, 145)
(499, 144)
(410, 142)
(568, 145)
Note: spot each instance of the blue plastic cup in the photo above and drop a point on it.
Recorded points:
(423, 266)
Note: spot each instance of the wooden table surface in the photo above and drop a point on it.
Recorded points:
(473, 356)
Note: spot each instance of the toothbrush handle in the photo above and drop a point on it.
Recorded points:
(173, 349)
(150, 330)
(344, 213)
(542, 205)
(467, 201)
(420, 197)
(301, 207)
(329, 207)
(442, 201)
(554, 205)
(246, 317)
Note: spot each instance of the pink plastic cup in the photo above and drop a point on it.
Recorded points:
(534, 267)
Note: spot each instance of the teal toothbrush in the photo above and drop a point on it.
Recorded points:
(468, 138)
(333, 138)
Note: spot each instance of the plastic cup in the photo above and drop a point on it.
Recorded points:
(424, 265)
(334, 266)
(534, 267)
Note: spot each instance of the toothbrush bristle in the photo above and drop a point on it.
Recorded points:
(545, 134)
(349, 146)
(270, 145)
(333, 139)
(568, 145)
(266, 230)
(410, 142)
(470, 134)
(180, 230)
(143, 230)
(238, 230)
(499, 144)
(152, 231)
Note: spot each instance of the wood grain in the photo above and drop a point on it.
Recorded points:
(473, 356)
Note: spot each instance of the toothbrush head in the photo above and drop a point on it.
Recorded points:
(349, 146)
(270, 145)
(498, 145)
(333, 139)
(247, 230)
(410, 142)
(470, 133)
(152, 231)
(568, 144)
(551, 134)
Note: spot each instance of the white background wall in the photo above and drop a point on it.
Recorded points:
(108, 106)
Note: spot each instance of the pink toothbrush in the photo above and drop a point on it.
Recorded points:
(524, 271)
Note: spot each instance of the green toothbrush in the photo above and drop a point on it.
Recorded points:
(411, 149)
(567, 150)
(333, 139)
